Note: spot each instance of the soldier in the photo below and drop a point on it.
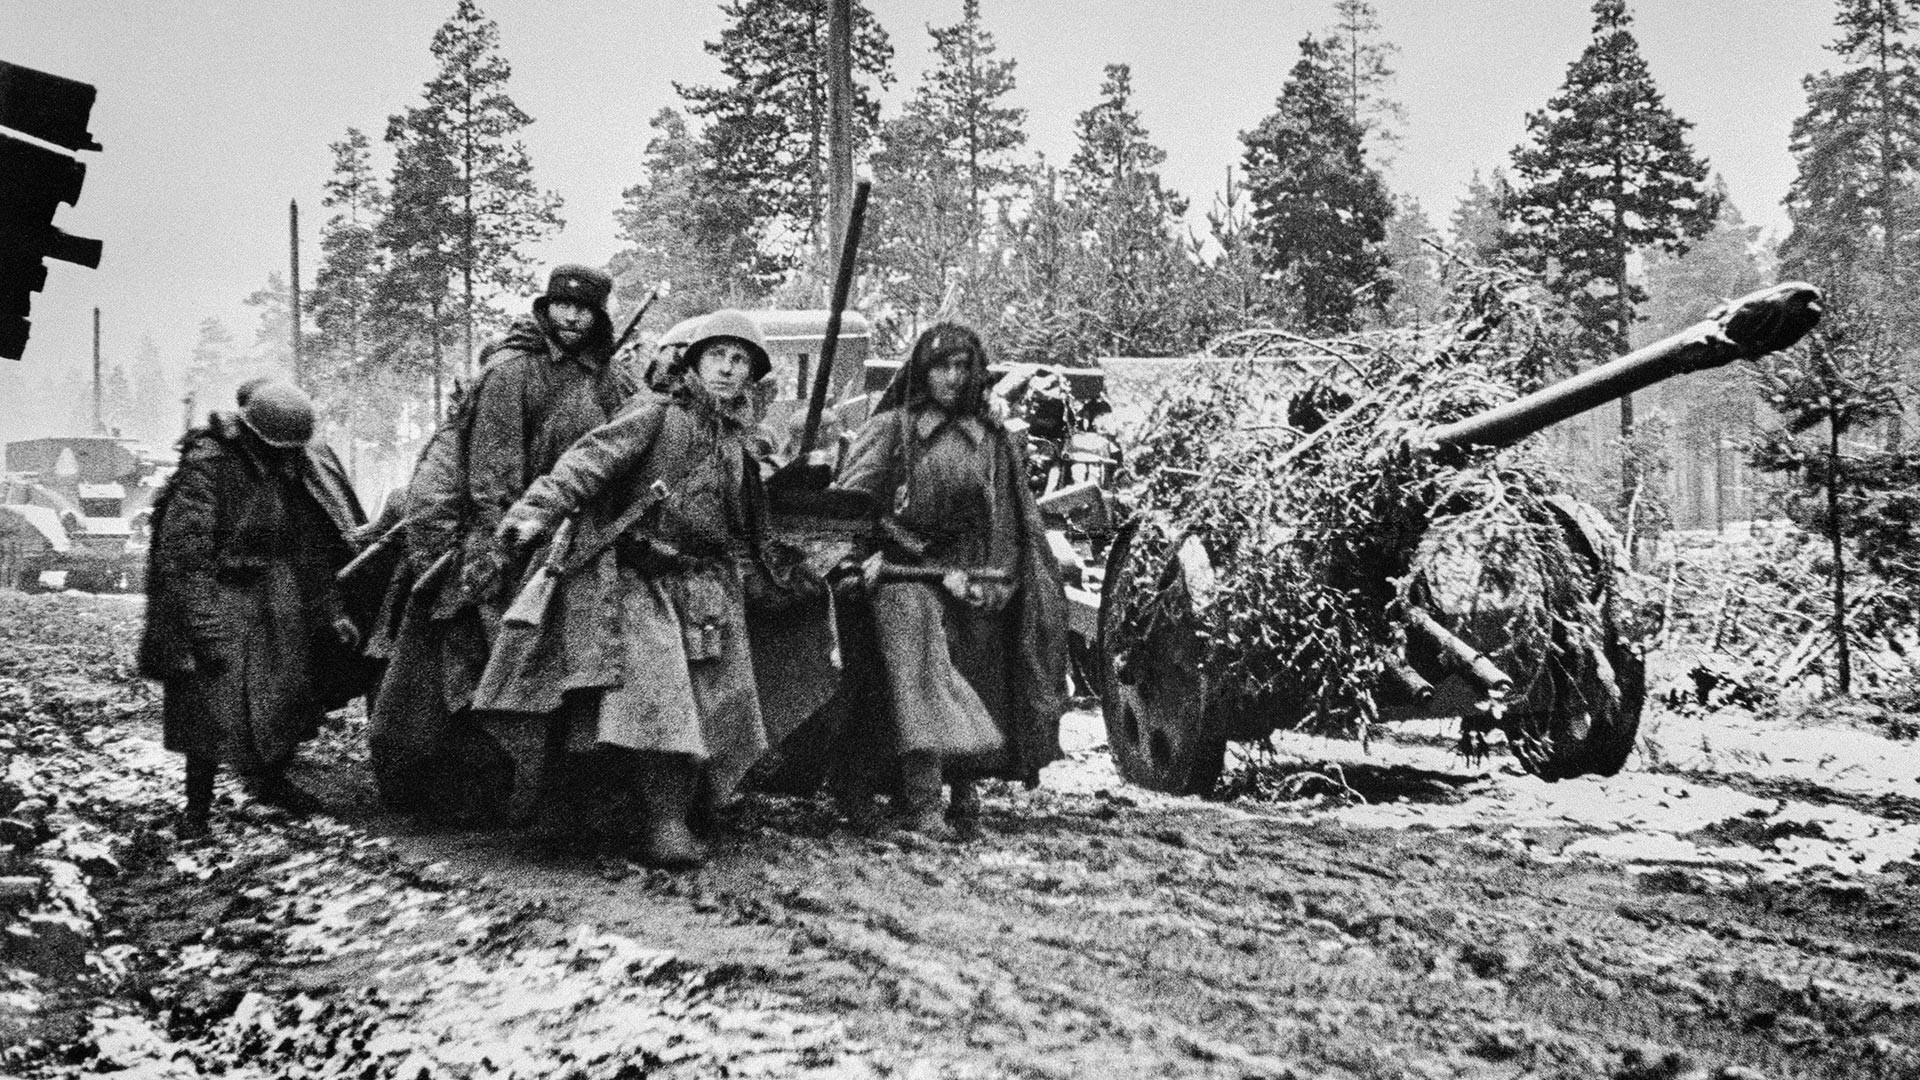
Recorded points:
(550, 380)
(966, 597)
(644, 649)
(245, 628)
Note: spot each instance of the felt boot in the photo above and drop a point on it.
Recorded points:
(920, 796)
(668, 783)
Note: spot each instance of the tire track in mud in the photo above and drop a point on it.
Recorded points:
(1096, 933)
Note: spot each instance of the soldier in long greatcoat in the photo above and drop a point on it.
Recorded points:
(245, 627)
(646, 636)
(549, 381)
(972, 666)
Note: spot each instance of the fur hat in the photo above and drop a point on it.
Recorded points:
(583, 285)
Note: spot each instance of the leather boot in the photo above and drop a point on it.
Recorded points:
(194, 822)
(920, 794)
(668, 782)
(273, 788)
(964, 808)
(528, 744)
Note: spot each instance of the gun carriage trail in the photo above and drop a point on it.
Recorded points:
(1741, 903)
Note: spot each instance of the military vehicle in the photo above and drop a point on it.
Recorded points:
(77, 506)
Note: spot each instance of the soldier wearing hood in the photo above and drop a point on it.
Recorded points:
(548, 381)
(973, 667)
(643, 653)
(245, 628)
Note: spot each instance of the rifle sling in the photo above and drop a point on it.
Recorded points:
(656, 493)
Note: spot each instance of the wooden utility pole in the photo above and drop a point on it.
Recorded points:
(293, 290)
(99, 419)
(839, 127)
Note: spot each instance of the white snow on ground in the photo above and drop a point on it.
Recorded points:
(1641, 818)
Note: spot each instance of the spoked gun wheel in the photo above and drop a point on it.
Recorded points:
(1154, 695)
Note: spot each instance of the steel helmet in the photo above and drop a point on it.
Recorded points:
(734, 324)
(281, 414)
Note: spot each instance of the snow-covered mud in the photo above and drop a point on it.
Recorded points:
(1740, 902)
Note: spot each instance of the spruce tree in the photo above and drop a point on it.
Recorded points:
(1141, 275)
(1319, 210)
(1606, 172)
(492, 209)
(766, 125)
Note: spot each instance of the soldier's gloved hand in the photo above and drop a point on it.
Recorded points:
(989, 595)
(348, 633)
(516, 533)
(846, 581)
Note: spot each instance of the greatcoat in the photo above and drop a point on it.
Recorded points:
(530, 402)
(655, 623)
(241, 599)
(983, 690)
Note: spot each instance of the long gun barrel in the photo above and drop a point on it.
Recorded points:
(1754, 325)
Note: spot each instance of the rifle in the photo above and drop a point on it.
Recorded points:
(529, 608)
(659, 290)
(958, 581)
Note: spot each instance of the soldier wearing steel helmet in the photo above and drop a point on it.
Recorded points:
(245, 628)
(644, 654)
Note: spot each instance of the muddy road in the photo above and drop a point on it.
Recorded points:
(1743, 901)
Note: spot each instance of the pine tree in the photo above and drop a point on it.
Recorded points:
(683, 230)
(1319, 211)
(1234, 292)
(1363, 60)
(490, 208)
(1606, 172)
(766, 125)
(1855, 213)
(962, 100)
(1479, 222)
(1141, 274)
(1052, 277)
(413, 304)
(350, 258)
(939, 170)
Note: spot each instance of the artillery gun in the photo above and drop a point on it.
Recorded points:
(1379, 563)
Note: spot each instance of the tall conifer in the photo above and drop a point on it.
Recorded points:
(766, 124)
(1319, 210)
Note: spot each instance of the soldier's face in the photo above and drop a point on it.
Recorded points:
(723, 369)
(571, 321)
(946, 378)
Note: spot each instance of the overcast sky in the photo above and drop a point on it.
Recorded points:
(214, 113)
